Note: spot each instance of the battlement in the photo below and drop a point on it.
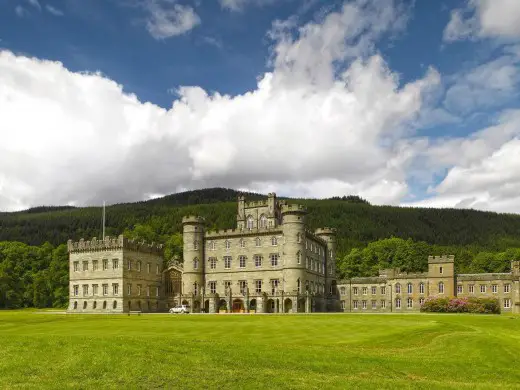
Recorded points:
(256, 203)
(314, 237)
(325, 231)
(242, 232)
(110, 243)
(193, 219)
(441, 259)
(294, 208)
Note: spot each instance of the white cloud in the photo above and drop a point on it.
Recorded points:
(239, 5)
(54, 11)
(20, 11)
(35, 4)
(305, 129)
(485, 19)
(167, 18)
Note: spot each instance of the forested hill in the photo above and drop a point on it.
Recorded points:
(358, 222)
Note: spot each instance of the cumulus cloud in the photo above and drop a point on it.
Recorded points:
(485, 19)
(305, 130)
(167, 18)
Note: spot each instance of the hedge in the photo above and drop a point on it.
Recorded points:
(461, 305)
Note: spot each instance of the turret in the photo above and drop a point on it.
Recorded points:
(441, 275)
(193, 240)
(241, 212)
(293, 226)
(329, 236)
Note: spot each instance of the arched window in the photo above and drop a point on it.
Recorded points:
(250, 222)
(299, 285)
(139, 266)
(299, 257)
(421, 288)
(84, 305)
(409, 288)
(274, 241)
(212, 245)
(228, 244)
(257, 241)
(398, 288)
(195, 288)
(114, 305)
(75, 305)
(441, 288)
(104, 304)
(263, 221)
(298, 238)
(94, 305)
(342, 290)
(196, 263)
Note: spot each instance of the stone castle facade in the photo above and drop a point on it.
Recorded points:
(271, 262)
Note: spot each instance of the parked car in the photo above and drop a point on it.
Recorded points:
(181, 309)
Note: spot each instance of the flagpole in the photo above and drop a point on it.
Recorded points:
(103, 220)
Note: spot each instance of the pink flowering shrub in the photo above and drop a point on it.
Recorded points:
(461, 305)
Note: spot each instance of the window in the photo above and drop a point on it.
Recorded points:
(365, 290)
(342, 290)
(421, 288)
(383, 304)
(105, 264)
(76, 290)
(129, 289)
(243, 286)
(85, 266)
(94, 289)
(355, 290)
(139, 266)
(355, 304)
(441, 288)
(242, 243)
(409, 288)
(212, 245)
(115, 263)
(105, 289)
(421, 301)
(258, 286)
(374, 290)
(383, 290)
(129, 264)
(409, 303)
(138, 289)
(494, 288)
(363, 305)
(148, 267)
(507, 303)
(212, 262)
(227, 262)
(227, 284)
(299, 257)
(157, 269)
(299, 285)
(257, 241)
(507, 288)
(195, 245)
(115, 288)
(398, 288)
(459, 289)
(228, 244)
(274, 285)
(258, 261)
(342, 305)
(95, 265)
(263, 221)
(298, 238)
(374, 304)
(147, 291)
(274, 241)
(212, 287)
(483, 288)
(274, 259)
(398, 303)
(242, 261)
(471, 288)
(306, 244)
(195, 288)
(76, 266)
(250, 222)
(195, 263)
(440, 270)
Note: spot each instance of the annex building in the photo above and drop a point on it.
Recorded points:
(271, 262)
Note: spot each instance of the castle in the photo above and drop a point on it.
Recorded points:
(270, 263)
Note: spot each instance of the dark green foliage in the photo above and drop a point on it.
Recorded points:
(461, 305)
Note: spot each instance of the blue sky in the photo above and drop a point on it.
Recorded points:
(401, 102)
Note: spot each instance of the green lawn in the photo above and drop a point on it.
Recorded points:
(259, 351)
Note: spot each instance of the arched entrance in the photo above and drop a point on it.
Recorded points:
(238, 306)
(185, 302)
(270, 306)
(222, 305)
(301, 305)
(252, 305)
(206, 306)
(196, 307)
(287, 306)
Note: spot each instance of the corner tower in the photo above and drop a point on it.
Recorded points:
(441, 275)
(193, 249)
(293, 227)
(329, 236)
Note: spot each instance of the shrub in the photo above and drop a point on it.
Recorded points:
(461, 305)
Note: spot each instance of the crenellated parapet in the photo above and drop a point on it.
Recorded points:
(294, 208)
(110, 243)
(441, 259)
(325, 231)
(193, 219)
(310, 234)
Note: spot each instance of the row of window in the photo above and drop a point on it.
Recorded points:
(310, 286)
(409, 304)
(242, 261)
(483, 288)
(115, 290)
(409, 289)
(114, 265)
(94, 305)
(212, 245)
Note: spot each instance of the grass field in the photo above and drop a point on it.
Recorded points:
(262, 351)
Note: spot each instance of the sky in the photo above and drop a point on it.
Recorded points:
(412, 103)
